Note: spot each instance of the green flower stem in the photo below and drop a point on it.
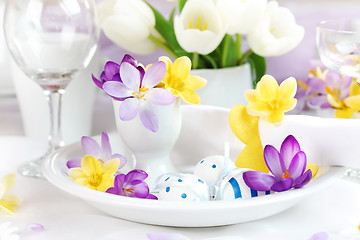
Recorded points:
(225, 51)
(195, 60)
(162, 45)
(238, 47)
(245, 56)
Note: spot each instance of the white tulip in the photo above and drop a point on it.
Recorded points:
(128, 24)
(199, 28)
(241, 16)
(277, 33)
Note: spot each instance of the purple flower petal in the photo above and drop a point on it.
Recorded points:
(319, 100)
(297, 165)
(116, 78)
(258, 181)
(129, 109)
(160, 96)
(151, 196)
(317, 84)
(105, 146)
(90, 147)
(149, 119)
(110, 69)
(274, 161)
(288, 149)
(117, 89)
(130, 76)
(319, 236)
(121, 157)
(282, 185)
(96, 81)
(73, 163)
(154, 75)
(129, 59)
(141, 189)
(136, 174)
(34, 227)
(112, 190)
(303, 179)
(119, 182)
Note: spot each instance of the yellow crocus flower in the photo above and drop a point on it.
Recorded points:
(179, 81)
(271, 101)
(93, 175)
(8, 201)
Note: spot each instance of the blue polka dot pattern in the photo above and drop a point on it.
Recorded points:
(201, 161)
(183, 195)
(180, 180)
(167, 179)
(213, 166)
(167, 189)
(201, 181)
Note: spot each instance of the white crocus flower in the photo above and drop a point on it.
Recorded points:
(199, 28)
(128, 24)
(241, 15)
(277, 33)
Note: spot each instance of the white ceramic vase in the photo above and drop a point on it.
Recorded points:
(152, 149)
(225, 86)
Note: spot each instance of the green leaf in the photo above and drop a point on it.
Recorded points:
(182, 4)
(258, 67)
(171, 18)
(166, 30)
(228, 52)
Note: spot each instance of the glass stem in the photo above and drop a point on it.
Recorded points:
(54, 101)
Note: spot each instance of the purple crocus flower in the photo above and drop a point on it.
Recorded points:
(103, 152)
(334, 83)
(287, 168)
(138, 92)
(132, 185)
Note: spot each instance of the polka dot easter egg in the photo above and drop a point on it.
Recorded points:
(232, 186)
(182, 187)
(210, 169)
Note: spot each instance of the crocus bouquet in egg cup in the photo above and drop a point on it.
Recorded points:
(328, 91)
(211, 33)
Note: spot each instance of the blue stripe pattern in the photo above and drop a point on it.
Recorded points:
(236, 188)
(267, 192)
(254, 193)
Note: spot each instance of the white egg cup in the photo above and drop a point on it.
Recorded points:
(152, 149)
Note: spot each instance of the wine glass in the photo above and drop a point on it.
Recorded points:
(338, 44)
(51, 40)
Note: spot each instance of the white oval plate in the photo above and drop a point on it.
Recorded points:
(193, 144)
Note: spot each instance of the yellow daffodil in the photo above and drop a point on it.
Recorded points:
(8, 201)
(93, 175)
(178, 80)
(271, 101)
(347, 107)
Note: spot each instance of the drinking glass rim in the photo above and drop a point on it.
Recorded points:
(321, 26)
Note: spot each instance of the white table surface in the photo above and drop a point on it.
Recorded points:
(335, 210)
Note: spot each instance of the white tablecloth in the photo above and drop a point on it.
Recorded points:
(335, 210)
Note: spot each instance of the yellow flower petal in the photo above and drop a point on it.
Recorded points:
(7, 182)
(91, 166)
(75, 173)
(181, 67)
(288, 105)
(275, 117)
(6, 208)
(333, 102)
(287, 88)
(252, 109)
(354, 88)
(251, 96)
(268, 88)
(106, 183)
(11, 200)
(195, 82)
(111, 166)
(313, 167)
(167, 62)
(344, 113)
(353, 103)
(190, 96)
